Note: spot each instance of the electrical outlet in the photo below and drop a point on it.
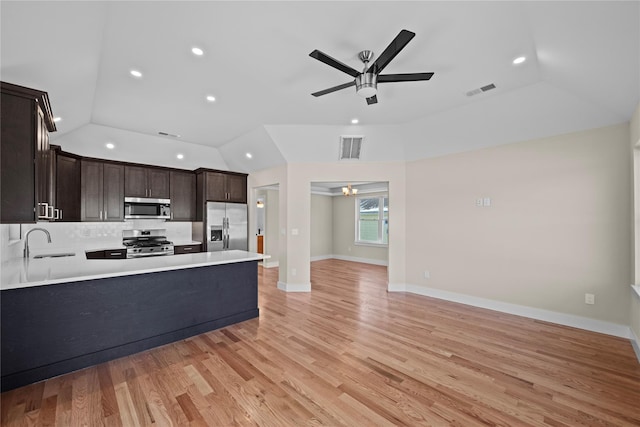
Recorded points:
(479, 202)
(349, 248)
(427, 275)
(589, 299)
(487, 201)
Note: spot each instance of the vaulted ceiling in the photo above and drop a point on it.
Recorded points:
(582, 71)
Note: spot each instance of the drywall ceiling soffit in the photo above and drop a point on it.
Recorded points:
(300, 143)
(259, 144)
(256, 63)
(91, 141)
(536, 111)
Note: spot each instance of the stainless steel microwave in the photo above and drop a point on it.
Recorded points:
(143, 208)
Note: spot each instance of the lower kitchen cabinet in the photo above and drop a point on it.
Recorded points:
(187, 249)
(102, 191)
(107, 254)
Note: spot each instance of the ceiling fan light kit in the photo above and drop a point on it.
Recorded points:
(366, 82)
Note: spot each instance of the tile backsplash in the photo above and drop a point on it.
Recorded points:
(82, 235)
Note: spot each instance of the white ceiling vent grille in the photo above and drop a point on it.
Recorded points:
(350, 147)
(481, 89)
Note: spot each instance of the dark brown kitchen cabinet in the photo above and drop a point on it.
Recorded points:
(141, 181)
(225, 187)
(25, 174)
(183, 196)
(67, 186)
(187, 249)
(102, 191)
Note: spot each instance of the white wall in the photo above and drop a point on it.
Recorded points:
(322, 226)
(635, 298)
(558, 225)
(272, 226)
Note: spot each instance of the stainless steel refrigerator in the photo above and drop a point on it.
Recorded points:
(227, 226)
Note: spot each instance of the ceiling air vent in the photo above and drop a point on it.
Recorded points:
(481, 89)
(350, 147)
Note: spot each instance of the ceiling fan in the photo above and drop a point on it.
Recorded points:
(366, 82)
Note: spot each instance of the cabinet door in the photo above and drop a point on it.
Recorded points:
(158, 183)
(113, 192)
(237, 188)
(183, 196)
(68, 187)
(17, 154)
(135, 181)
(91, 207)
(216, 186)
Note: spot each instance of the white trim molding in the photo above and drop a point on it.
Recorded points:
(635, 343)
(594, 325)
(396, 287)
(270, 264)
(321, 257)
(294, 287)
(363, 260)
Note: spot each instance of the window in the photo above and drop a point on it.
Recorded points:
(372, 220)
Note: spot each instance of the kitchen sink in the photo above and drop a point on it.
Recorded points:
(60, 255)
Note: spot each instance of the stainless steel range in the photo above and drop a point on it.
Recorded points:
(140, 243)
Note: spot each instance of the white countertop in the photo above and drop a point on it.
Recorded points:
(22, 273)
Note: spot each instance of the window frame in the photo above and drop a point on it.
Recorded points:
(379, 243)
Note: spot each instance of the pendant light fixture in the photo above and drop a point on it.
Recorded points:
(348, 191)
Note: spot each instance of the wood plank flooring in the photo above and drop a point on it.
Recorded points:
(351, 354)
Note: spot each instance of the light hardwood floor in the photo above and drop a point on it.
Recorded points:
(349, 353)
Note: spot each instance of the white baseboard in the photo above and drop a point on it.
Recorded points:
(294, 287)
(362, 260)
(270, 264)
(396, 287)
(321, 257)
(635, 343)
(594, 325)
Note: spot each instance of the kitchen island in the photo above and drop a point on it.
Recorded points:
(63, 314)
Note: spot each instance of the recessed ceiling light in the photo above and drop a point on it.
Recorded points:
(180, 156)
(211, 98)
(354, 121)
(57, 119)
(519, 60)
(136, 73)
(110, 146)
(249, 155)
(197, 51)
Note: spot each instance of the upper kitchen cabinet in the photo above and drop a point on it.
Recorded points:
(148, 182)
(26, 174)
(223, 186)
(183, 196)
(68, 180)
(102, 191)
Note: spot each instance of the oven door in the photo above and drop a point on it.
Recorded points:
(140, 208)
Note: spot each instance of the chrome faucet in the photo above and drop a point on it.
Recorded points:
(26, 240)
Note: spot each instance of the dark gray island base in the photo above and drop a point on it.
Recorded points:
(55, 329)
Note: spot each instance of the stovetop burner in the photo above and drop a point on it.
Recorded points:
(141, 243)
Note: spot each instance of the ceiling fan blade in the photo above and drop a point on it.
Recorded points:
(408, 77)
(333, 89)
(391, 51)
(372, 100)
(323, 57)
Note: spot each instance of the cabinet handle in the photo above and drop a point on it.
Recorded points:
(105, 215)
(115, 254)
(100, 215)
(187, 249)
(57, 213)
(50, 215)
